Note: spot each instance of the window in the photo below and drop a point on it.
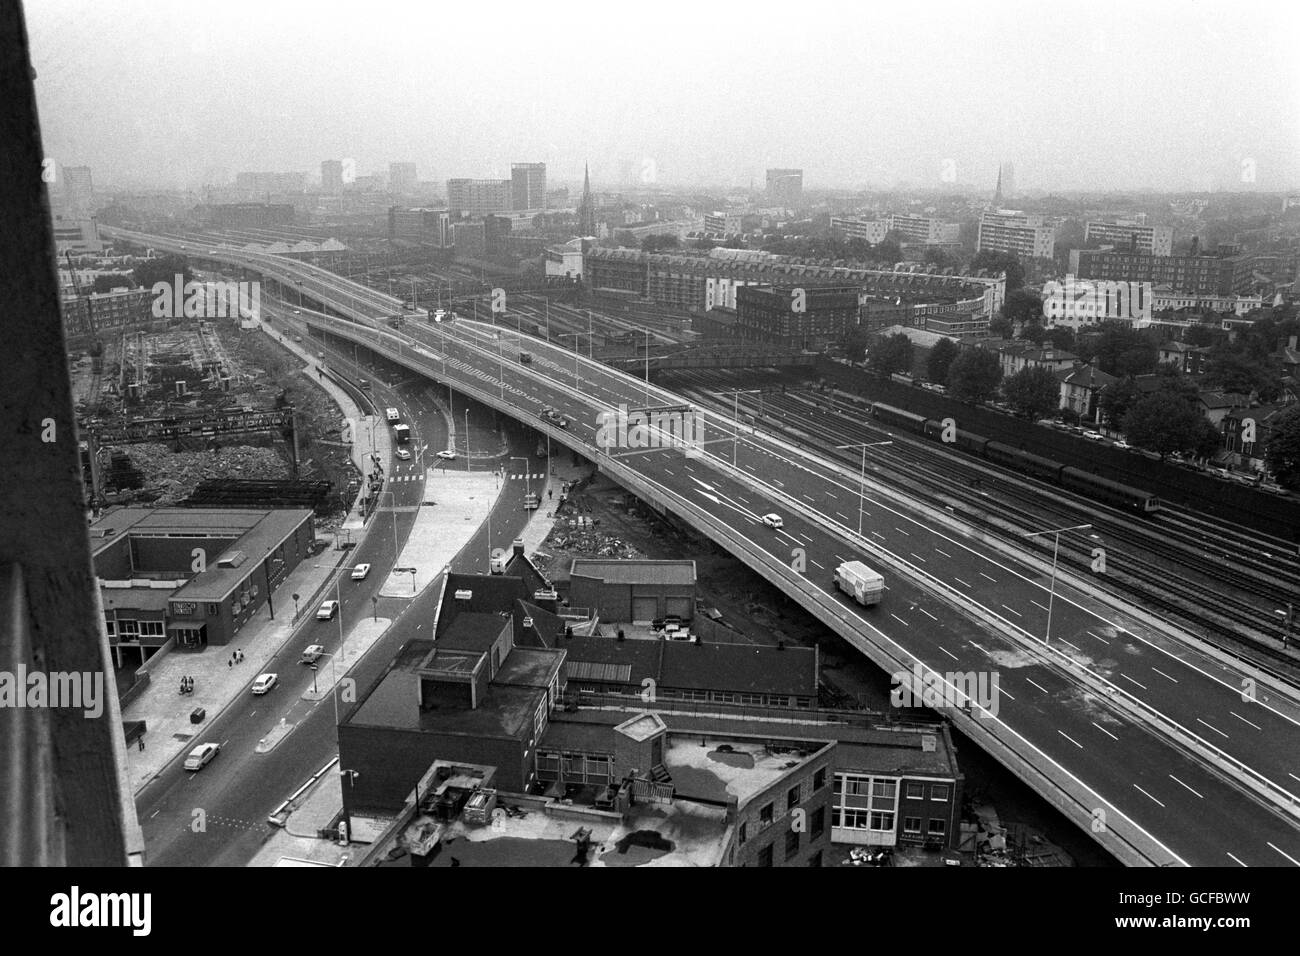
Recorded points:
(819, 779)
(765, 814)
(792, 798)
(912, 825)
(855, 819)
(751, 698)
(791, 844)
(724, 698)
(938, 827)
(839, 784)
(744, 831)
(111, 628)
(881, 821)
(765, 856)
(883, 789)
(817, 823)
(803, 702)
(778, 700)
(151, 628)
(939, 791)
(915, 791)
(130, 630)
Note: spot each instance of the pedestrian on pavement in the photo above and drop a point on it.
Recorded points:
(550, 493)
(141, 743)
(231, 662)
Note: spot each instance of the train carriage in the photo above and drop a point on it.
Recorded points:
(1023, 461)
(1111, 492)
(968, 441)
(897, 416)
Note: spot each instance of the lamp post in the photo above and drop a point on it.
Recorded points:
(577, 382)
(862, 474)
(334, 690)
(1056, 547)
(338, 598)
(735, 405)
(467, 439)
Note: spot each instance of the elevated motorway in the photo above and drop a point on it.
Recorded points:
(1166, 754)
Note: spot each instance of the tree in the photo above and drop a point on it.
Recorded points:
(1119, 350)
(887, 251)
(937, 258)
(1117, 399)
(626, 239)
(1000, 327)
(1282, 453)
(1231, 371)
(162, 269)
(1164, 423)
(1022, 306)
(996, 262)
(1033, 332)
(940, 359)
(974, 375)
(111, 281)
(894, 354)
(1061, 338)
(1033, 392)
(655, 243)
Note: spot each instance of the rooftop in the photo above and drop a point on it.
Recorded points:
(635, 571)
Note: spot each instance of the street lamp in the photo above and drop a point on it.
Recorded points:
(577, 382)
(338, 597)
(1051, 600)
(334, 689)
(735, 405)
(862, 474)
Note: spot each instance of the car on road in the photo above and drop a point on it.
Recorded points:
(403, 455)
(363, 383)
(201, 756)
(360, 571)
(312, 653)
(773, 521)
(1122, 445)
(447, 455)
(297, 338)
(264, 683)
(1094, 436)
(328, 611)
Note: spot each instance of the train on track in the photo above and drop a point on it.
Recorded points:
(1075, 479)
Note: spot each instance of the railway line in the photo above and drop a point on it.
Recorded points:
(1210, 604)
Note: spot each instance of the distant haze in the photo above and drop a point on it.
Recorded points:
(1177, 96)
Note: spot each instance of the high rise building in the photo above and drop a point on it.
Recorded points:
(1007, 180)
(1132, 236)
(401, 177)
(1008, 231)
(528, 186)
(785, 187)
(78, 187)
(478, 197)
(587, 209)
(331, 176)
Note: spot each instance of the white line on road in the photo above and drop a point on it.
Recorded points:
(1163, 674)
(1239, 863)
(1036, 604)
(1014, 611)
(1132, 681)
(1180, 783)
(1104, 730)
(842, 515)
(963, 583)
(983, 575)
(1036, 684)
(899, 620)
(878, 535)
(1287, 855)
(1098, 636)
(819, 564)
(1068, 644)
(1070, 739)
(1147, 795)
(927, 614)
(948, 652)
(1214, 728)
(917, 556)
(901, 531)
(943, 552)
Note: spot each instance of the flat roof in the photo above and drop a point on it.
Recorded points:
(635, 571)
(752, 668)
(716, 767)
(472, 631)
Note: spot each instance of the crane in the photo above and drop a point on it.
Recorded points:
(96, 345)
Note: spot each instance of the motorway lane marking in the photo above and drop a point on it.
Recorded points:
(1132, 681)
(819, 564)
(1147, 795)
(948, 652)
(1070, 739)
(927, 614)
(878, 535)
(1014, 611)
(1104, 730)
(1256, 726)
(1098, 636)
(1180, 783)
(155, 813)
(807, 497)
(1287, 855)
(901, 531)
(977, 647)
(899, 620)
(669, 471)
(1039, 686)
(1163, 674)
(842, 515)
(840, 558)
(960, 581)
(777, 483)
(1238, 861)
(1214, 728)
(1036, 604)
(917, 556)
(943, 552)
(1003, 691)
(1068, 644)
(833, 495)
(983, 575)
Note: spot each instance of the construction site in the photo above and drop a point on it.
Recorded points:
(163, 411)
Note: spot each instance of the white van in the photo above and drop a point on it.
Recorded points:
(392, 414)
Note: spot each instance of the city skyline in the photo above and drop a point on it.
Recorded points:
(902, 114)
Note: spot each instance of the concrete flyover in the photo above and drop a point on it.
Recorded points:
(1136, 773)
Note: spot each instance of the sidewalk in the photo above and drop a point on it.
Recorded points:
(216, 682)
(544, 519)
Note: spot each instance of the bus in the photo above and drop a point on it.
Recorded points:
(402, 433)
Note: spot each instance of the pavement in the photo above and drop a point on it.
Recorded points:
(217, 680)
(544, 519)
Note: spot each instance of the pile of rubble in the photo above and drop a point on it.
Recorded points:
(579, 536)
(172, 476)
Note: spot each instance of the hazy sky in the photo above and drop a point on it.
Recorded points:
(1171, 95)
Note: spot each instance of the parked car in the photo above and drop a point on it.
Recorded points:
(264, 683)
(360, 571)
(773, 521)
(364, 383)
(403, 455)
(312, 653)
(201, 756)
(1094, 436)
(447, 455)
(1122, 445)
(328, 611)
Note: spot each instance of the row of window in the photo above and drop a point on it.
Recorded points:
(793, 841)
(134, 630)
(886, 789)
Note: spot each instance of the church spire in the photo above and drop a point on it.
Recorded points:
(587, 210)
(997, 195)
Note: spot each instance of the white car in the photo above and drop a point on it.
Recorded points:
(1122, 445)
(403, 455)
(327, 611)
(201, 756)
(773, 521)
(1094, 436)
(360, 571)
(264, 683)
(312, 653)
(447, 455)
